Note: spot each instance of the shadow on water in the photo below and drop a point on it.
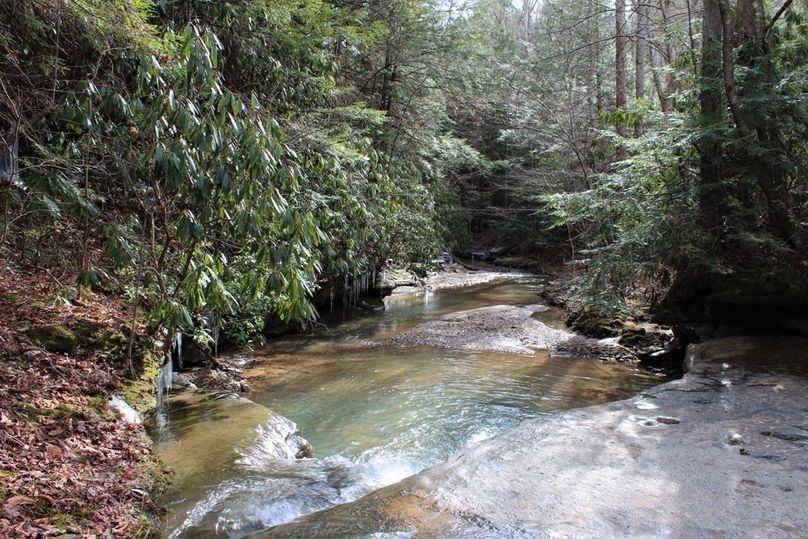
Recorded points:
(374, 412)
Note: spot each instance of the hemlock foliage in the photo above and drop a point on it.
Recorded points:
(227, 158)
(224, 156)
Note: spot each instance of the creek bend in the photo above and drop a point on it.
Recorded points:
(374, 411)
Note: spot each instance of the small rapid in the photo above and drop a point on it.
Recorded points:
(374, 412)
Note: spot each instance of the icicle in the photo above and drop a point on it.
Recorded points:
(179, 349)
(159, 382)
(345, 297)
(176, 348)
(215, 334)
(164, 379)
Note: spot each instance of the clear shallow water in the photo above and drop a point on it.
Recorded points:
(374, 412)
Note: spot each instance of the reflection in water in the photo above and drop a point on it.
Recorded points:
(375, 413)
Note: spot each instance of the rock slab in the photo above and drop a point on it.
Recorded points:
(502, 328)
(508, 328)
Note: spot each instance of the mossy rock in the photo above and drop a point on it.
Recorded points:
(519, 262)
(93, 336)
(54, 338)
(140, 392)
(641, 340)
(596, 322)
(155, 477)
(63, 411)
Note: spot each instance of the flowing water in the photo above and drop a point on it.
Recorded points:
(374, 412)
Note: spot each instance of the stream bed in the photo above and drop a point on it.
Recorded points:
(374, 412)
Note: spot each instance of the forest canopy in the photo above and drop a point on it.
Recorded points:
(230, 158)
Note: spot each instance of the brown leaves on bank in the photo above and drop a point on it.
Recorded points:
(67, 463)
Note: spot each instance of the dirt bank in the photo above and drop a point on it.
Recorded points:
(69, 464)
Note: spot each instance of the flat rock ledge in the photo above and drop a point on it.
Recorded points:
(722, 452)
(457, 277)
(507, 328)
(501, 328)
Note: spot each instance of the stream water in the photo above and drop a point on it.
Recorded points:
(374, 412)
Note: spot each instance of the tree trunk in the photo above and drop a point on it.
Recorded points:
(592, 83)
(767, 162)
(640, 49)
(711, 195)
(665, 101)
(386, 94)
(621, 74)
(749, 21)
(527, 12)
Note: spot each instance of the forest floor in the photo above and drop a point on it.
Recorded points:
(68, 463)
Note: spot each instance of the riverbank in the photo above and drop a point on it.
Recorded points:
(70, 464)
(721, 452)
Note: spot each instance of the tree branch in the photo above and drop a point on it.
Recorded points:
(777, 15)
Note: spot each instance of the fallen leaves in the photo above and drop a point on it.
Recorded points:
(67, 465)
(14, 506)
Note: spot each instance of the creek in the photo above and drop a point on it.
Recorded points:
(374, 411)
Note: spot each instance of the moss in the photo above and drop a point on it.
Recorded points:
(63, 520)
(139, 392)
(98, 401)
(596, 321)
(147, 527)
(155, 477)
(54, 338)
(98, 337)
(62, 411)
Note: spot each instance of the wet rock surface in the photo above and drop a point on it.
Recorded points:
(507, 328)
(578, 346)
(503, 328)
(454, 277)
(203, 434)
(278, 439)
(721, 452)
